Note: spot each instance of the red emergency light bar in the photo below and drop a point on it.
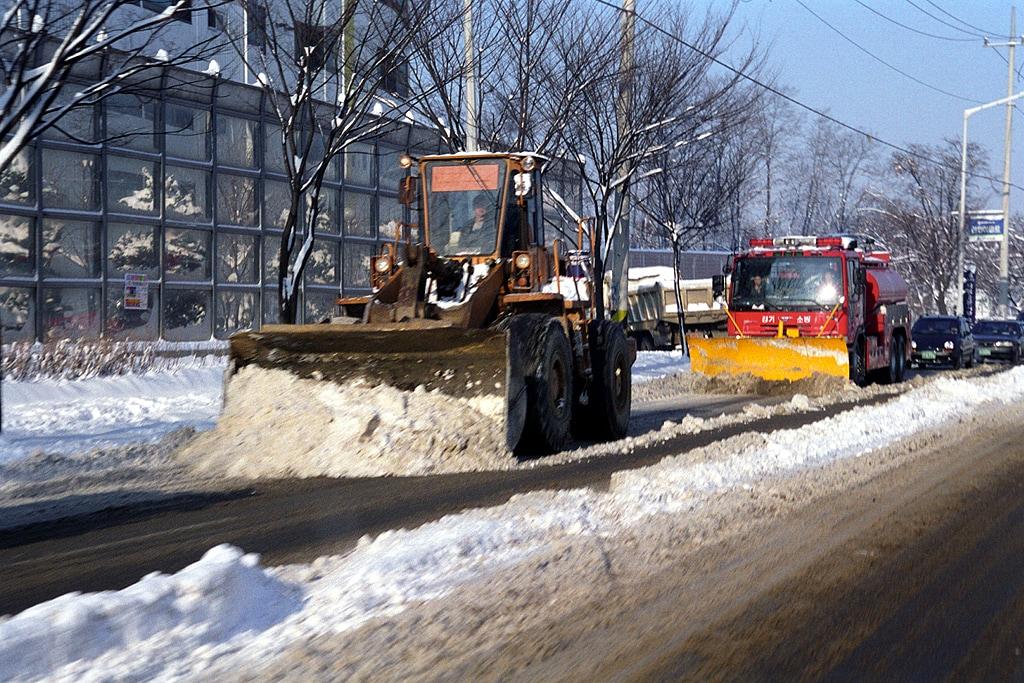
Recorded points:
(829, 242)
(762, 242)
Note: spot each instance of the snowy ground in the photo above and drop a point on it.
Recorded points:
(71, 416)
(226, 614)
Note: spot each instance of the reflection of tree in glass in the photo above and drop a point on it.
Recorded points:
(236, 258)
(322, 265)
(236, 202)
(134, 249)
(181, 197)
(186, 252)
(15, 181)
(319, 306)
(142, 198)
(70, 248)
(14, 308)
(68, 180)
(15, 245)
(185, 308)
(235, 311)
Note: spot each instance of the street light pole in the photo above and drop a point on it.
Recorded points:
(961, 237)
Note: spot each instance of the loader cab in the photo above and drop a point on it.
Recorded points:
(471, 206)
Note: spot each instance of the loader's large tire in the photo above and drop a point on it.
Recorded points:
(608, 410)
(549, 388)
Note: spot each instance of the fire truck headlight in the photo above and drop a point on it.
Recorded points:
(948, 345)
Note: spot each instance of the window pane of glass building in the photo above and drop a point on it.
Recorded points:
(187, 255)
(327, 214)
(132, 249)
(131, 122)
(389, 215)
(71, 312)
(270, 312)
(17, 246)
(357, 264)
(69, 180)
(276, 201)
(236, 200)
(124, 323)
(317, 153)
(358, 216)
(16, 181)
(187, 132)
(236, 258)
(273, 153)
(390, 172)
(235, 311)
(271, 257)
(131, 185)
(187, 315)
(236, 142)
(322, 266)
(77, 124)
(186, 193)
(70, 248)
(359, 165)
(319, 305)
(17, 314)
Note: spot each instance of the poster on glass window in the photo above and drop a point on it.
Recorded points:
(136, 292)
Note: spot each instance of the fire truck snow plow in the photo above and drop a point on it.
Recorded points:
(805, 306)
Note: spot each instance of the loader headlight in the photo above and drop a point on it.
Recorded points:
(522, 261)
(405, 161)
(383, 264)
(913, 344)
(529, 163)
(948, 345)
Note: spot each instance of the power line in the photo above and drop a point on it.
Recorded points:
(946, 23)
(878, 59)
(792, 100)
(911, 28)
(956, 18)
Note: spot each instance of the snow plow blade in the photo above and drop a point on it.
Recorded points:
(463, 363)
(770, 358)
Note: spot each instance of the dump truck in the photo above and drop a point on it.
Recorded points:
(653, 319)
(471, 301)
(800, 306)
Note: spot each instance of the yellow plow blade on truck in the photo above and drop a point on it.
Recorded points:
(770, 358)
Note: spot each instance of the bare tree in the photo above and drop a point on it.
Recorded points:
(119, 45)
(673, 97)
(334, 74)
(914, 208)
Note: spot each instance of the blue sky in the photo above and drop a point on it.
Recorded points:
(828, 72)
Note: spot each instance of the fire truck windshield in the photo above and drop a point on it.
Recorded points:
(463, 206)
(786, 283)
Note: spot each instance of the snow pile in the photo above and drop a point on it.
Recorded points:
(652, 365)
(221, 596)
(187, 631)
(54, 415)
(278, 425)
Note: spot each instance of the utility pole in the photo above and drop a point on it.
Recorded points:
(619, 299)
(1004, 244)
(471, 108)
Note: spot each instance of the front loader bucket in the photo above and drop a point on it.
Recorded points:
(463, 363)
(769, 358)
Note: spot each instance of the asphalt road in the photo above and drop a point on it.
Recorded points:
(298, 520)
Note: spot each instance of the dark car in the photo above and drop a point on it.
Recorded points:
(943, 340)
(999, 340)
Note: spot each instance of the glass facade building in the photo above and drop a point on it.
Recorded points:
(187, 191)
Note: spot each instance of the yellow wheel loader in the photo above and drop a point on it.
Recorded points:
(471, 302)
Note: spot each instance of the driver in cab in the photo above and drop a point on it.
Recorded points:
(477, 235)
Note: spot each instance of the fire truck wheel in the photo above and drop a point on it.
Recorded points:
(858, 365)
(901, 356)
(549, 392)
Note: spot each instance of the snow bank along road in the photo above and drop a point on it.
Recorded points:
(544, 584)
